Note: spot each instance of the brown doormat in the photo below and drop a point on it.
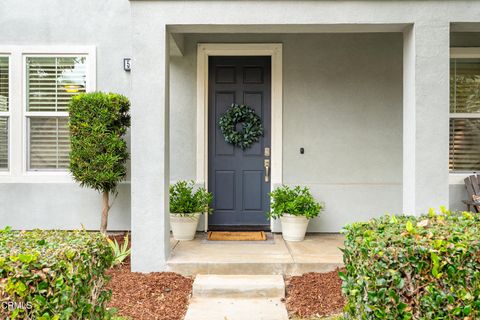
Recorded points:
(237, 236)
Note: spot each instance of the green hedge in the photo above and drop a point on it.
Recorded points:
(405, 267)
(53, 275)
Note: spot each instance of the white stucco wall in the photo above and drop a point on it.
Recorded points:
(342, 103)
(318, 69)
(105, 25)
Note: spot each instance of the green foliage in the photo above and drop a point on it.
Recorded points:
(54, 274)
(98, 122)
(296, 201)
(406, 267)
(252, 126)
(185, 201)
(120, 252)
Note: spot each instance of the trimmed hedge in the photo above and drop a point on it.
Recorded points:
(53, 275)
(406, 267)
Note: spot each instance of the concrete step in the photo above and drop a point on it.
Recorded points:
(239, 286)
(236, 309)
(232, 268)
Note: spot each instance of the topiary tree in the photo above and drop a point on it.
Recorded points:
(98, 123)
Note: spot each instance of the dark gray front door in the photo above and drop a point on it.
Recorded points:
(236, 177)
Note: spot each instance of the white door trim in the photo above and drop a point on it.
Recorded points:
(204, 50)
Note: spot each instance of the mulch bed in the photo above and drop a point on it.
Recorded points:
(314, 294)
(152, 296)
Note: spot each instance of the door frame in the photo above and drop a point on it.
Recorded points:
(275, 51)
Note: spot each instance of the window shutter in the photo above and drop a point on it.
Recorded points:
(465, 115)
(4, 97)
(4, 84)
(3, 143)
(465, 144)
(52, 81)
(49, 142)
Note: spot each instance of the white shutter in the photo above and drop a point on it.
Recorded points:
(3, 84)
(3, 143)
(49, 143)
(4, 96)
(465, 145)
(465, 115)
(52, 81)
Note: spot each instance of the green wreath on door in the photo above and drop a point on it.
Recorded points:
(252, 126)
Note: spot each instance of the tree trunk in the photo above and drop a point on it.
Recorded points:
(106, 208)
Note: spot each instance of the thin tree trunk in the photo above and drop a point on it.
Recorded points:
(106, 207)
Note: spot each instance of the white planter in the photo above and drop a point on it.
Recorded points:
(293, 227)
(184, 227)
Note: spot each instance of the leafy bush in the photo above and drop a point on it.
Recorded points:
(120, 252)
(296, 201)
(98, 121)
(406, 267)
(185, 201)
(53, 275)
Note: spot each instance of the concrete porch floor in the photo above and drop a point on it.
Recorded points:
(317, 253)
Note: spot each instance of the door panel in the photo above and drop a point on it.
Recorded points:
(225, 190)
(236, 177)
(222, 101)
(252, 190)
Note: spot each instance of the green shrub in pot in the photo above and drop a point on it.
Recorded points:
(295, 206)
(186, 205)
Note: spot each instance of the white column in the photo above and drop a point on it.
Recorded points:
(150, 147)
(425, 116)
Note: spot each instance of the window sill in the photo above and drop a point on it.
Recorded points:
(457, 178)
(37, 177)
(41, 177)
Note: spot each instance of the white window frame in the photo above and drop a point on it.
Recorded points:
(465, 53)
(6, 171)
(18, 138)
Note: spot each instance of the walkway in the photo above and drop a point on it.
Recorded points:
(228, 297)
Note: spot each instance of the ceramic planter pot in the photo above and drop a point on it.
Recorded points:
(184, 227)
(293, 227)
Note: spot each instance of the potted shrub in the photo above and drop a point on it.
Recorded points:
(295, 206)
(186, 206)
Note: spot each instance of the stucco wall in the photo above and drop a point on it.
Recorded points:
(106, 25)
(60, 206)
(342, 103)
(342, 96)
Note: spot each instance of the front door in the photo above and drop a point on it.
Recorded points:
(238, 178)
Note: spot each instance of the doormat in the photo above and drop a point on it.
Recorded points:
(237, 236)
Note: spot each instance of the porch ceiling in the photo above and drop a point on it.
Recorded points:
(178, 32)
(288, 28)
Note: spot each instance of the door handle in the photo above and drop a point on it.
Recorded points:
(266, 164)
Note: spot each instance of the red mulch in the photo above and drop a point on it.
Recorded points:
(152, 296)
(315, 294)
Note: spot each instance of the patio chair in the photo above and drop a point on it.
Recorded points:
(472, 183)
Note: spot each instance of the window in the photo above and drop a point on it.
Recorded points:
(51, 81)
(4, 111)
(465, 114)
